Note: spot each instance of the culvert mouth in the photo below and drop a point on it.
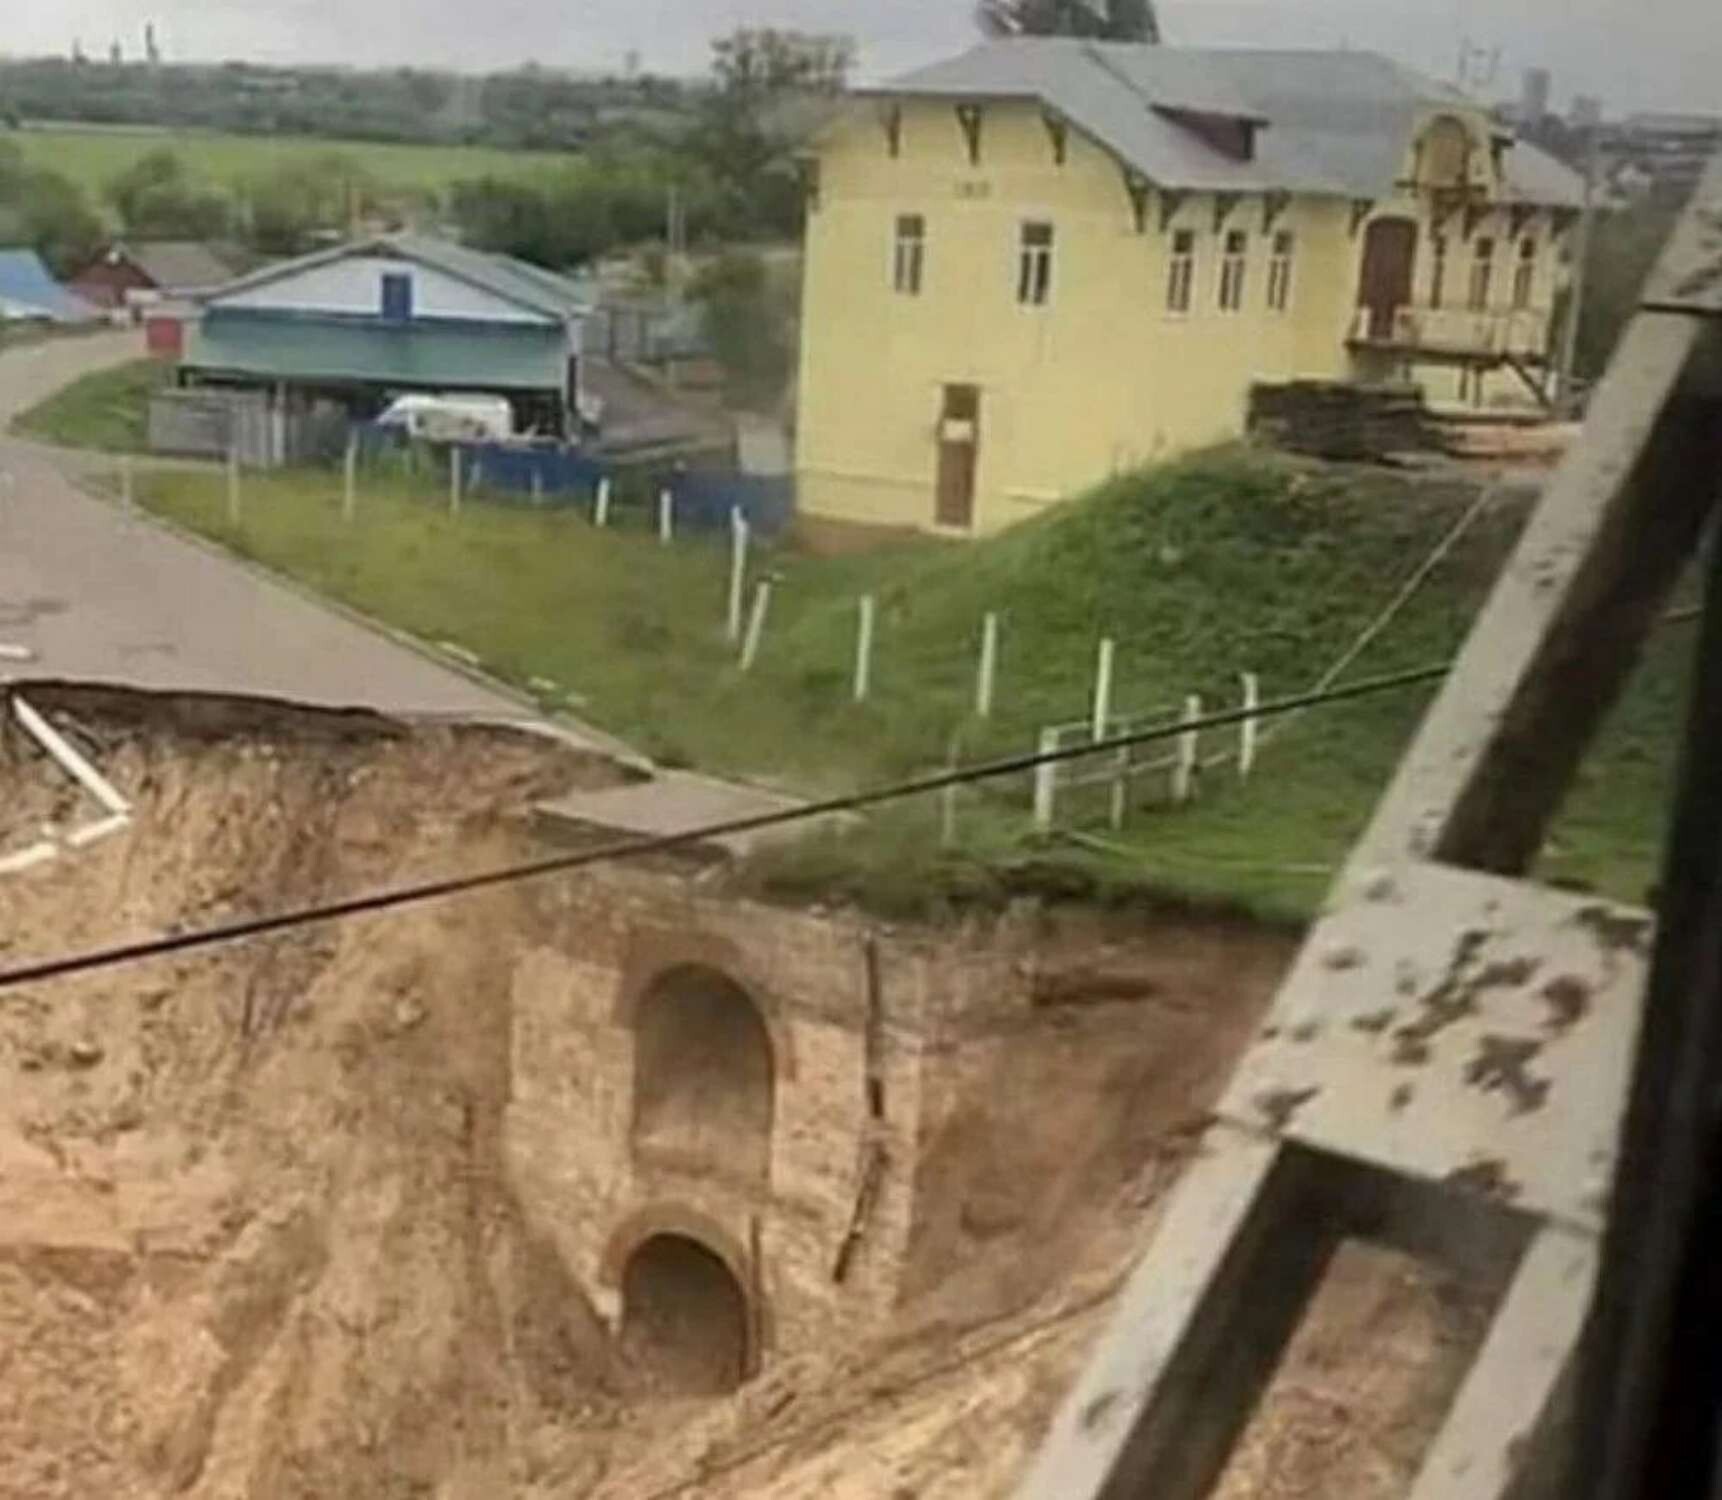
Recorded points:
(684, 1318)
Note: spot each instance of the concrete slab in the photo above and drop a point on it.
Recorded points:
(672, 802)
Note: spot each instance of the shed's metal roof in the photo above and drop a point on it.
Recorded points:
(178, 265)
(424, 354)
(1337, 123)
(526, 286)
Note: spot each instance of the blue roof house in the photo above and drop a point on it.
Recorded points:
(28, 293)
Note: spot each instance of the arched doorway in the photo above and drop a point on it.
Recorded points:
(1389, 261)
(704, 1074)
(684, 1318)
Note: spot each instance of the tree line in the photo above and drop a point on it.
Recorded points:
(729, 169)
(532, 108)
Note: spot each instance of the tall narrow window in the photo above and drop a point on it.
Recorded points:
(909, 260)
(1483, 276)
(1181, 281)
(397, 297)
(1034, 270)
(1280, 272)
(1233, 271)
(1438, 277)
(1525, 274)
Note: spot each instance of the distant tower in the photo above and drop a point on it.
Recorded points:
(77, 51)
(1587, 112)
(1539, 89)
(631, 65)
(151, 50)
(115, 55)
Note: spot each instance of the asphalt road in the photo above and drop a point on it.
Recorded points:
(102, 597)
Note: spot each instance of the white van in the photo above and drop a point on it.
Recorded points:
(452, 418)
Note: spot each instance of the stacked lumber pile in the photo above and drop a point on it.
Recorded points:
(1339, 420)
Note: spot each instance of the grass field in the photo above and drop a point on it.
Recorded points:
(1199, 571)
(107, 411)
(92, 157)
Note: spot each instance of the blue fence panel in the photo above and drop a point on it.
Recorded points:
(704, 500)
(566, 476)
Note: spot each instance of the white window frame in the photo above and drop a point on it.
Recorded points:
(1035, 263)
(1281, 271)
(908, 256)
(1234, 271)
(1181, 274)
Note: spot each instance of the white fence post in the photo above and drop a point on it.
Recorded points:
(666, 516)
(127, 498)
(948, 796)
(454, 477)
(756, 625)
(350, 481)
(1120, 788)
(988, 672)
(738, 540)
(601, 506)
(864, 650)
(1249, 732)
(1103, 689)
(1045, 783)
(1189, 748)
(233, 496)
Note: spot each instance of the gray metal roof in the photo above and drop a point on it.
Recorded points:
(178, 265)
(1337, 123)
(527, 286)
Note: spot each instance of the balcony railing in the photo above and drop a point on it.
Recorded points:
(1522, 333)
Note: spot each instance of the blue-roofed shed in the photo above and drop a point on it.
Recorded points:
(29, 292)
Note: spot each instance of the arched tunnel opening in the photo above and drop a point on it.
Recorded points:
(705, 1078)
(684, 1318)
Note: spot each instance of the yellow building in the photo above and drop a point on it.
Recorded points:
(1044, 262)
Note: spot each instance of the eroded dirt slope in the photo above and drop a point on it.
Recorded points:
(252, 1242)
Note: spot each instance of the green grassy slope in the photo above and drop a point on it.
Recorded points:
(1199, 571)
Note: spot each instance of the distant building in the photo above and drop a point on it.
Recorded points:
(1046, 261)
(135, 276)
(1666, 151)
(1538, 92)
(372, 319)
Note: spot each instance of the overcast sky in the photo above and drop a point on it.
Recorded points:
(1635, 53)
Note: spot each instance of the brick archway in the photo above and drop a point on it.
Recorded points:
(652, 952)
(685, 1319)
(705, 1083)
(670, 1221)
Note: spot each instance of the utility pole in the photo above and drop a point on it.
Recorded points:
(1581, 268)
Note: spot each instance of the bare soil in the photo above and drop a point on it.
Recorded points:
(256, 1242)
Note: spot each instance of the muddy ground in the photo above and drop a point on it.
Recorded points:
(255, 1239)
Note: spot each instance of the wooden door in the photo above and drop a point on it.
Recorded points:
(1389, 259)
(959, 457)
